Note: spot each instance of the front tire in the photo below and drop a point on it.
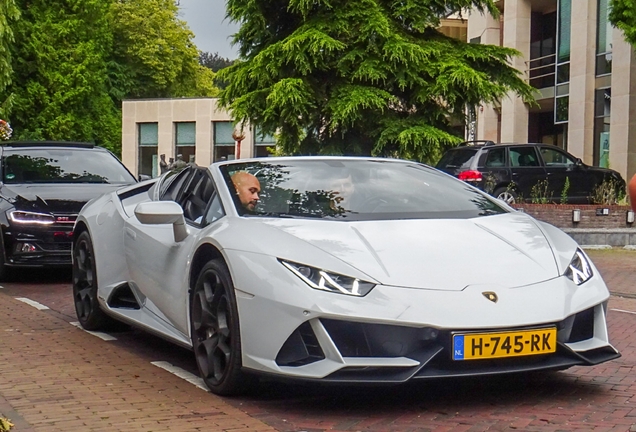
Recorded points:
(89, 314)
(4, 270)
(214, 328)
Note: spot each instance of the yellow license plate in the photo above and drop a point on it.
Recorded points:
(474, 346)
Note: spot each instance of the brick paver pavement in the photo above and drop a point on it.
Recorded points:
(55, 377)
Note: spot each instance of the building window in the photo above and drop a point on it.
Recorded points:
(185, 141)
(542, 49)
(564, 30)
(224, 145)
(602, 112)
(148, 145)
(262, 142)
(603, 39)
(561, 109)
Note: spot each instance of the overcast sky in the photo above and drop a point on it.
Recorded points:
(206, 18)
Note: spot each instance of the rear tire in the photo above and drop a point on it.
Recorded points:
(215, 332)
(508, 195)
(87, 308)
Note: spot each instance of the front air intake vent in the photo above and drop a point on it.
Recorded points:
(300, 348)
(122, 297)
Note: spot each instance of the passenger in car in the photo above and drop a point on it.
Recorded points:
(247, 187)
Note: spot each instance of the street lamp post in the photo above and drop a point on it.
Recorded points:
(238, 136)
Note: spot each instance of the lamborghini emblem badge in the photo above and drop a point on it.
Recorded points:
(491, 296)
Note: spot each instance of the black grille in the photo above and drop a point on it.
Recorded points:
(56, 247)
(583, 326)
(300, 348)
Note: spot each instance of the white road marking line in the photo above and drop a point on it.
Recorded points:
(1, 287)
(102, 336)
(624, 311)
(30, 302)
(191, 378)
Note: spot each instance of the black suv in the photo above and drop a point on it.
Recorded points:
(531, 173)
(43, 186)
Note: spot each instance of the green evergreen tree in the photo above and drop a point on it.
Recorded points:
(361, 76)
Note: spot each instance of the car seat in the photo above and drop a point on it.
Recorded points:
(526, 160)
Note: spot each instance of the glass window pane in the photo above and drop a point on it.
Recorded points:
(604, 29)
(496, 158)
(223, 133)
(186, 134)
(148, 134)
(523, 157)
(223, 152)
(561, 109)
(261, 151)
(565, 18)
(553, 157)
(186, 154)
(604, 64)
(353, 190)
(261, 139)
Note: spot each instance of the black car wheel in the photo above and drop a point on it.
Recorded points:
(89, 314)
(506, 194)
(214, 324)
(4, 270)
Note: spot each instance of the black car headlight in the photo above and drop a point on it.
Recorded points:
(31, 218)
(579, 271)
(329, 281)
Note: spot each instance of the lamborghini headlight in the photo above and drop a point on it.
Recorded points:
(579, 271)
(31, 218)
(328, 281)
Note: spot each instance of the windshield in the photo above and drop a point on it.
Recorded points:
(456, 158)
(352, 189)
(68, 165)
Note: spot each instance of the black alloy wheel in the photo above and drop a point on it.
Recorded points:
(214, 325)
(4, 270)
(89, 314)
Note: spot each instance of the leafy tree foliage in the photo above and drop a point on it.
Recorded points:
(154, 55)
(214, 61)
(76, 60)
(61, 82)
(8, 14)
(623, 16)
(361, 76)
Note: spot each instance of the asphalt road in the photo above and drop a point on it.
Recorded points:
(582, 398)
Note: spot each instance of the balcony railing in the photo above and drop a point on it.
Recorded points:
(541, 71)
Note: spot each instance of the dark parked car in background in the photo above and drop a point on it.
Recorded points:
(526, 172)
(43, 187)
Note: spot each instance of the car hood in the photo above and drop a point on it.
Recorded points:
(506, 250)
(54, 198)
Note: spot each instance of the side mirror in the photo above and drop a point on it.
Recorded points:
(144, 177)
(579, 162)
(163, 212)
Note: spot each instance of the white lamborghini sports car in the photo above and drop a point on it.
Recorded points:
(337, 269)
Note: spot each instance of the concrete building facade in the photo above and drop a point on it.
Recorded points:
(584, 72)
(193, 129)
